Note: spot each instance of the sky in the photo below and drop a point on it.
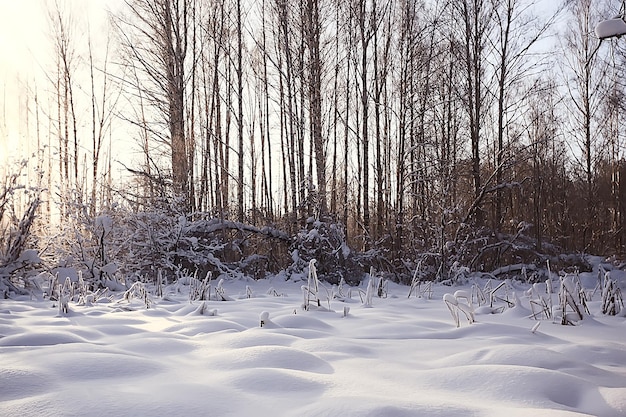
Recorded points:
(24, 29)
(20, 25)
(25, 56)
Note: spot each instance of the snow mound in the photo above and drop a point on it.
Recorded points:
(19, 383)
(273, 381)
(203, 326)
(270, 357)
(162, 345)
(400, 357)
(83, 366)
(302, 321)
(251, 338)
(41, 339)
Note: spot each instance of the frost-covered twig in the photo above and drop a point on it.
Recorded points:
(311, 290)
(220, 292)
(64, 297)
(455, 305)
(538, 300)
(138, 291)
(369, 293)
(612, 301)
(479, 295)
(200, 290)
(566, 299)
(494, 296)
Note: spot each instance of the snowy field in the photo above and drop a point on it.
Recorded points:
(398, 357)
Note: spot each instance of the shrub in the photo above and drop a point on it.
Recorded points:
(325, 242)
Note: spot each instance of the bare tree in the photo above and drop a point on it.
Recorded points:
(517, 34)
(63, 26)
(239, 72)
(155, 39)
(585, 69)
(312, 35)
(102, 111)
(475, 19)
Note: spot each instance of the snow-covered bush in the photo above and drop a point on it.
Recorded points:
(458, 274)
(325, 241)
(159, 238)
(18, 211)
(506, 255)
(152, 240)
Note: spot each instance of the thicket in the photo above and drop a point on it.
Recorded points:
(160, 244)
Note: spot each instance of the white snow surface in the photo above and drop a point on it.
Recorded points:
(611, 27)
(400, 357)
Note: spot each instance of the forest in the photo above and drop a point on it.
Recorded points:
(245, 138)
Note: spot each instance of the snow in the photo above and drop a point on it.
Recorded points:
(610, 28)
(396, 357)
(29, 256)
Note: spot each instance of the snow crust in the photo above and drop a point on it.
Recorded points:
(398, 357)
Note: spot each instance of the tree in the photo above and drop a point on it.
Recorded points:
(239, 72)
(518, 32)
(63, 26)
(155, 39)
(586, 71)
(102, 112)
(475, 19)
(312, 35)
(541, 129)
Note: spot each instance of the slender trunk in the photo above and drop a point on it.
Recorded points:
(365, 32)
(239, 70)
(315, 101)
(225, 148)
(501, 93)
(266, 105)
(346, 132)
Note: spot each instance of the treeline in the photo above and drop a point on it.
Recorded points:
(466, 130)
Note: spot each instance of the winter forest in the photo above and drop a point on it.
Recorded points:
(251, 137)
(350, 208)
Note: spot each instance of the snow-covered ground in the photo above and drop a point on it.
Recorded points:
(400, 357)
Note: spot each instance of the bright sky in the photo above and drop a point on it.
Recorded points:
(24, 27)
(26, 53)
(21, 28)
